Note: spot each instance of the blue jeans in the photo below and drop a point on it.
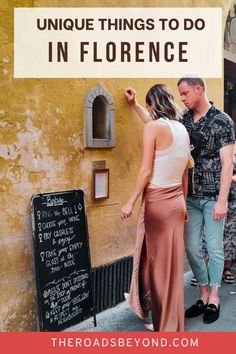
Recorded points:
(200, 214)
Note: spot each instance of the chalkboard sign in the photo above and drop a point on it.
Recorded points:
(62, 259)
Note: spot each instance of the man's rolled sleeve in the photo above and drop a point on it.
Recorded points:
(226, 134)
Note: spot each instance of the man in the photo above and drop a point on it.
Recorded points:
(209, 184)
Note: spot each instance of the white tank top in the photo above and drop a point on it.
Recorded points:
(169, 164)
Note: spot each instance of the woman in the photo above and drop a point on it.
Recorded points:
(157, 280)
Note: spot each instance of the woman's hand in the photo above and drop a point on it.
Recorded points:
(126, 211)
(186, 218)
(130, 94)
(234, 179)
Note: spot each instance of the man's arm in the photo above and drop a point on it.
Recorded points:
(130, 95)
(226, 158)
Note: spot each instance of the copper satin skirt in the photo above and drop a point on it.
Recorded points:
(157, 279)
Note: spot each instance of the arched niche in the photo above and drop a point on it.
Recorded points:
(99, 119)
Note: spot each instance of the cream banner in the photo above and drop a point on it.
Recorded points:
(117, 42)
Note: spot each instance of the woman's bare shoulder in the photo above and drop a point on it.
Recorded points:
(157, 125)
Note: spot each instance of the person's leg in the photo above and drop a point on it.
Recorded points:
(144, 288)
(214, 239)
(164, 223)
(228, 276)
(140, 274)
(193, 232)
(193, 281)
(230, 242)
(228, 263)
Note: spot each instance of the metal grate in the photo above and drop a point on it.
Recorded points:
(110, 281)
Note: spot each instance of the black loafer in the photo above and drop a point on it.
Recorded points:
(196, 309)
(211, 314)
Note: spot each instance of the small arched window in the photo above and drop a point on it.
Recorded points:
(100, 106)
(99, 119)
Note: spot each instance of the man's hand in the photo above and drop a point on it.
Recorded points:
(220, 210)
(130, 94)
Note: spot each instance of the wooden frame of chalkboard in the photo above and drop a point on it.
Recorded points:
(62, 259)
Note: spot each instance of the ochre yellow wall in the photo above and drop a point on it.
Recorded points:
(41, 149)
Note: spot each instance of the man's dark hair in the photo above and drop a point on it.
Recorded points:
(192, 81)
